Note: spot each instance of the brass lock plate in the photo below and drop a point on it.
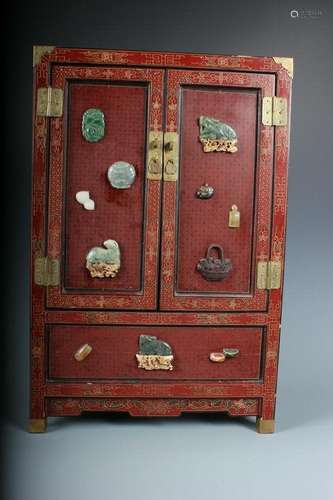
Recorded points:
(154, 157)
(171, 154)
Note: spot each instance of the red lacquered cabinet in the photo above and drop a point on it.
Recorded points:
(158, 232)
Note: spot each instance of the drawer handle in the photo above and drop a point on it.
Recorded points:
(83, 352)
(220, 357)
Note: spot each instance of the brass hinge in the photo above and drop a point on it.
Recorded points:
(269, 275)
(154, 157)
(47, 271)
(49, 102)
(171, 156)
(274, 111)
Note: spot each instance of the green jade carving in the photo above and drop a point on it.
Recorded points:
(93, 125)
(154, 354)
(104, 262)
(216, 136)
(151, 345)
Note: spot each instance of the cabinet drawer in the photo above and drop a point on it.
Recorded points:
(111, 352)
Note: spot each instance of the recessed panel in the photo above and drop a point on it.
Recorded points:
(106, 128)
(218, 135)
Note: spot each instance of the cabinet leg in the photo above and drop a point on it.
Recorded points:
(37, 425)
(265, 426)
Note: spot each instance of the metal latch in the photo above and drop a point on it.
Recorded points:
(49, 102)
(171, 153)
(274, 111)
(269, 275)
(154, 157)
(47, 271)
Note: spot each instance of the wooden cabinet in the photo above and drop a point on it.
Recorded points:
(157, 281)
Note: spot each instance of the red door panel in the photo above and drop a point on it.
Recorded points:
(131, 100)
(243, 178)
(231, 175)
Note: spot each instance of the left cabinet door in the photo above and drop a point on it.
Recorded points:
(111, 118)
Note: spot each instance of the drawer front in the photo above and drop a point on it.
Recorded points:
(109, 352)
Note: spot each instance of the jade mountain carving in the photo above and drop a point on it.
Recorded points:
(154, 354)
(150, 344)
(216, 135)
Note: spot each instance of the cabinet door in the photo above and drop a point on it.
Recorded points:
(83, 145)
(238, 166)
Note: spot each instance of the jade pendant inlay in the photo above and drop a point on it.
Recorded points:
(121, 175)
(93, 125)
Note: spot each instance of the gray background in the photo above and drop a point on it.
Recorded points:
(118, 458)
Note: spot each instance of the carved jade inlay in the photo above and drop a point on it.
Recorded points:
(154, 354)
(217, 136)
(93, 125)
(121, 175)
(83, 197)
(104, 262)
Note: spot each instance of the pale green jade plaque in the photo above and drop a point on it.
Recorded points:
(121, 175)
(93, 125)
